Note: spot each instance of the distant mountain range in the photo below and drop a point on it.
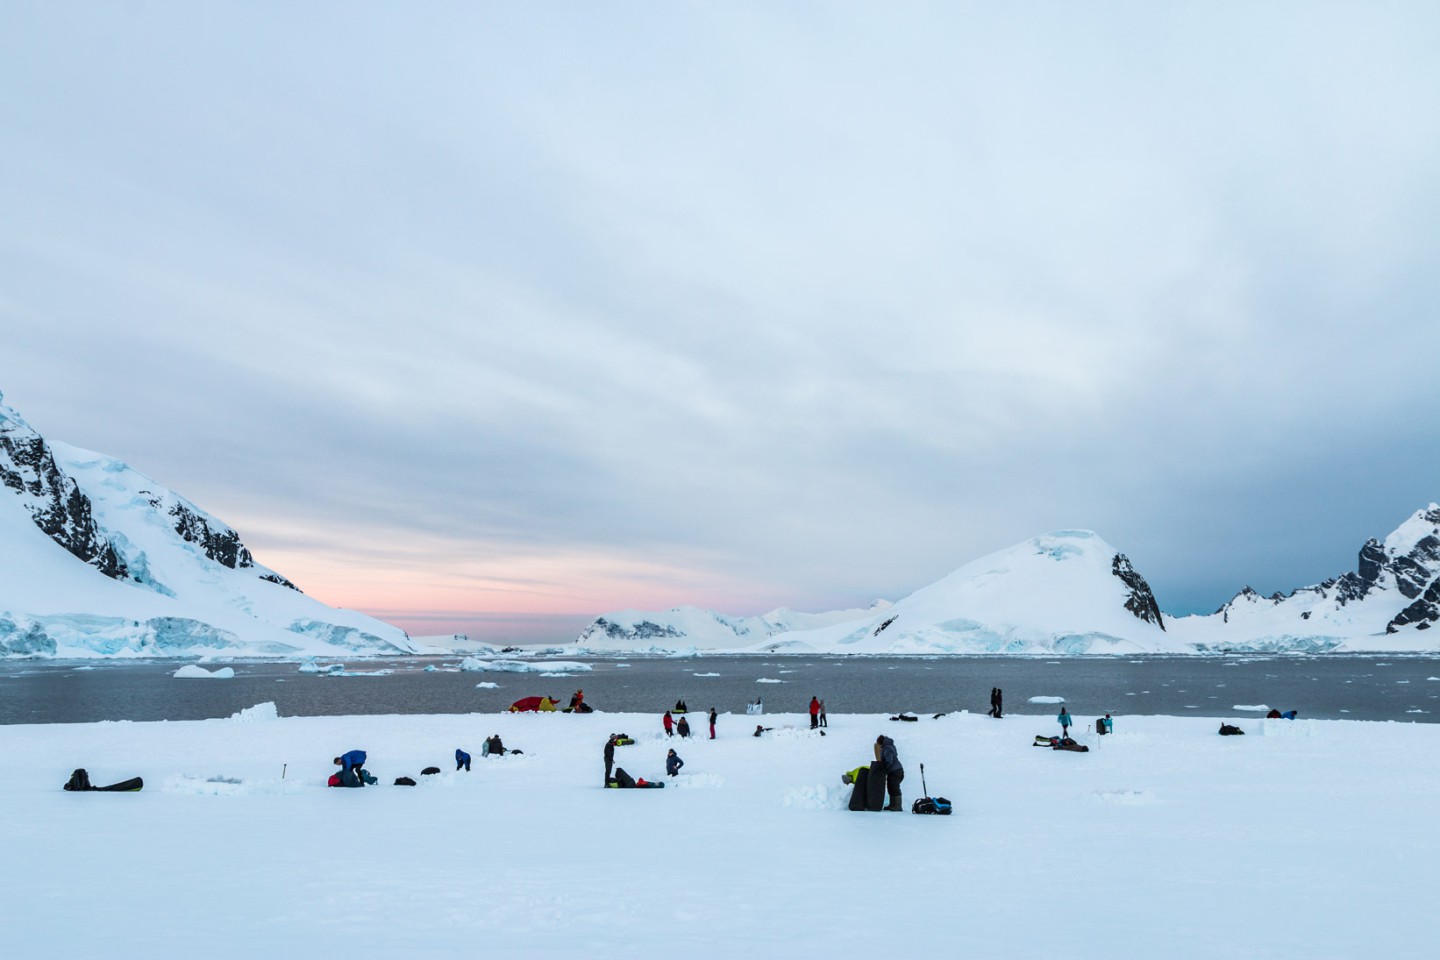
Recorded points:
(1070, 592)
(97, 559)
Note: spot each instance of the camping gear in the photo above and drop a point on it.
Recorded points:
(875, 788)
(404, 782)
(533, 704)
(1100, 726)
(1227, 730)
(79, 782)
(927, 803)
(1067, 744)
(429, 771)
(1043, 741)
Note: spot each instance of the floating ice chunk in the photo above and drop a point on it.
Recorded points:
(769, 680)
(190, 671)
(1047, 699)
(521, 666)
(1252, 708)
(705, 674)
(487, 685)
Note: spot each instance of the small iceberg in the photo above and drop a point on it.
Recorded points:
(192, 672)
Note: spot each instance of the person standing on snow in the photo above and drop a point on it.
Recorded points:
(462, 759)
(1065, 721)
(814, 713)
(712, 723)
(824, 720)
(683, 727)
(668, 723)
(673, 763)
(609, 757)
(887, 761)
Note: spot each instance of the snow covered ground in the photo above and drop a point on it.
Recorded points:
(1301, 839)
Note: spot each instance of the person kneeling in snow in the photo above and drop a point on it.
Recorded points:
(493, 747)
(462, 759)
(352, 771)
(673, 763)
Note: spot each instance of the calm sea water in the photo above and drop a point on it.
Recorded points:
(1328, 687)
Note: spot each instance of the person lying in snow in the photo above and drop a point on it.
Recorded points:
(759, 730)
(624, 781)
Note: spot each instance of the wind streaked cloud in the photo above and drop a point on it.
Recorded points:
(551, 310)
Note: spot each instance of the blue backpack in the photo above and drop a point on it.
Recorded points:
(931, 805)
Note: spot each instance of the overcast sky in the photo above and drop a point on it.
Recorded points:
(496, 317)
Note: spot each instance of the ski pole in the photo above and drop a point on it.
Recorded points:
(922, 780)
(286, 766)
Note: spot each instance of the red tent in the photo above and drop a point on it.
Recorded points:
(531, 704)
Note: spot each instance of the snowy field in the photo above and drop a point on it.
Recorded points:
(1310, 839)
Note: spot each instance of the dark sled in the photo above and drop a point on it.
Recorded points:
(80, 783)
(875, 788)
(858, 794)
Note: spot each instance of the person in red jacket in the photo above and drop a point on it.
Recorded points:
(814, 713)
(668, 723)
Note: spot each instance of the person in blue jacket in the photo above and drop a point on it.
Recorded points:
(673, 763)
(462, 759)
(350, 761)
(1065, 721)
(352, 769)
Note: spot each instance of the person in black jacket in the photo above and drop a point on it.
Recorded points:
(887, 759)
(673, 763)
(609, 757)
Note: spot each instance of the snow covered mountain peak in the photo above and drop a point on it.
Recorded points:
(100, 560)
(1067, 591)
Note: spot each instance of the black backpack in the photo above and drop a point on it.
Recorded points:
(79, 780)
(931, 805)
(623, 779)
